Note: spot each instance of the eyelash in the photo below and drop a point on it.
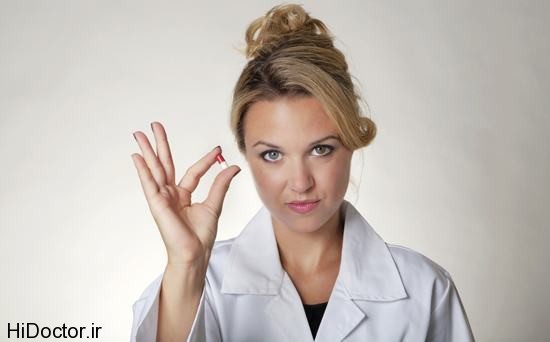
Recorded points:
(328, 147)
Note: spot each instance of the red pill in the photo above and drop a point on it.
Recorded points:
(221, 161)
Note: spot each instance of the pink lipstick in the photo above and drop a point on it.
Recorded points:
(303, 207)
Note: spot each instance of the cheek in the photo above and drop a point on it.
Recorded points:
(336, 177)
(267, 182)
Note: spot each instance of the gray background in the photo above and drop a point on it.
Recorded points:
(459, 170)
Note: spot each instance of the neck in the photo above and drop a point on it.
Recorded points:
(309, 253)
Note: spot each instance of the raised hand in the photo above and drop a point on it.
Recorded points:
(187, 229)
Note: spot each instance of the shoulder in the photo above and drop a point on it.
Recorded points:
(422, 277)
(411, 261)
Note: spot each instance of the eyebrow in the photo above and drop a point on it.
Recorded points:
(313, 143)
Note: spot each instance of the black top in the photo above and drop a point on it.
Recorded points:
(314, 314)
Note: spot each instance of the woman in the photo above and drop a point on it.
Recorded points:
(307, 266)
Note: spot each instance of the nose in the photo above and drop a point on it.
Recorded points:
(301, 179)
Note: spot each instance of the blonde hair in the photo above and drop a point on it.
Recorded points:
(290, 55)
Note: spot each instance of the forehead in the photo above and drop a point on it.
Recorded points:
(287, 118)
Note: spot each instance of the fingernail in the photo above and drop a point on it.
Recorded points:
(134, 134)
(216, 147)
(238, 172)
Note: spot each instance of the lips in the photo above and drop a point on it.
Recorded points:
(303, 202)
(303, 207)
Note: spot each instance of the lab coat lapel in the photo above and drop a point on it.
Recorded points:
(254, 265)
(367, 269)
(255, 269)
(341, 316)
(287, 312)
(367, 272)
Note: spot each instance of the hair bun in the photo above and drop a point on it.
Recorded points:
(280, 21)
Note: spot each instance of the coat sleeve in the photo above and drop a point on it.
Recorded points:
(145, 316)
(448, 321)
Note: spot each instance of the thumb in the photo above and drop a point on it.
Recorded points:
(219, 188)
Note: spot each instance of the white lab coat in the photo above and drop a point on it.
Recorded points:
(383, 293)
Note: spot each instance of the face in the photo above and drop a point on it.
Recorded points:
(294, 153)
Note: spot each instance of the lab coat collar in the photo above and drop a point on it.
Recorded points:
(367, 270)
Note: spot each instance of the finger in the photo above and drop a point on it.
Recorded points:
(163, 152)
(148, 183)
(219, 188)
(151, 159)
(192, 176)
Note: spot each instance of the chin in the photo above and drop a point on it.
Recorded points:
(305, 225)
(300, 223)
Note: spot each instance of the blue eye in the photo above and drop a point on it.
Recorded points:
(270, 153)
(326, 148)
